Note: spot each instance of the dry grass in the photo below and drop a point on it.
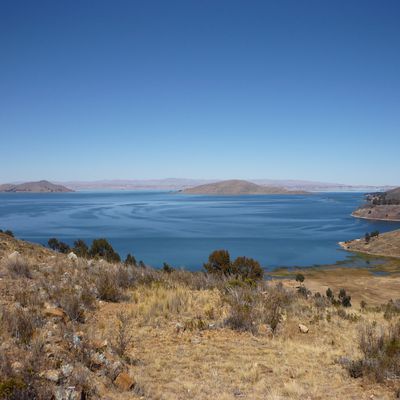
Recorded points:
(169, 331)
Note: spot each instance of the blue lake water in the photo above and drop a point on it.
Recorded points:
(182, 230)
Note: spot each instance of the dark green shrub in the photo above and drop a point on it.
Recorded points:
(101, 248)
(300, 278)
(9, 233)
(80, 248)
(329, 294)
(247, 269)
(167, 268)
(59, 246)
(130, 260)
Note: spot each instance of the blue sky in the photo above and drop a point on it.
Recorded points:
(201, 89)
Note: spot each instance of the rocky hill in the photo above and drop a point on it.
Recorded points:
(34, 187)
(237, 187)
(381, 206)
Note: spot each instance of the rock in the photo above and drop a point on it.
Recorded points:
(124, 381)
(14, 255)
(69, 393)
(67, 369)
(72, 256)
(99, 344)
(303, 328)
(17, 366)
(56, 312)
(51, 375)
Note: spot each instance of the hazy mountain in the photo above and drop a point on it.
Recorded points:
(181, 183)
(237, 187)
(36, 187)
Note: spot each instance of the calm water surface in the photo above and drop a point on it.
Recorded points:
(183, 230)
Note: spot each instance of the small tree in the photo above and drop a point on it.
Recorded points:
(300, 278)
(329, 294)
(247, 268)
(103, 249)
(130, 260)
(219, 262)
(53, 244)
(344, 298)
(59, 246)
(167, 268)
(80, 248)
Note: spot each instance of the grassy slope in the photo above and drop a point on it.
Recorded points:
(200, 363)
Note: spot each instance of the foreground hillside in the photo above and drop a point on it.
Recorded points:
(381, 206)
(73, 328)
(237, 187)
(34, 187)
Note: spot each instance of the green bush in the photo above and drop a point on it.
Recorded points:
(101, 248)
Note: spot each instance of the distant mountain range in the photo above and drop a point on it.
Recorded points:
(237, 187)
(174, 184)
(179, 184)
(34, 187)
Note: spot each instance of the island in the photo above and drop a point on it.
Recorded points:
(34, 187)
(383, 206)
(237, 187)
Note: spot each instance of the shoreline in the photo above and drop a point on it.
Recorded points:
(375, 219)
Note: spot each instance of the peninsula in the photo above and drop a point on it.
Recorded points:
(238, 187)
(381, 206)
(34, 187)
(385, 244)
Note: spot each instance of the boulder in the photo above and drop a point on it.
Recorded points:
(51, 375)
(14, 255)
(56, 312)
(124, 381)
(303, 328)
(72, 256)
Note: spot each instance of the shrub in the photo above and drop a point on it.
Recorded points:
(247, 269)
(275, 300)
(329, 294)
(80, 248)
(300, 278)
(219, 262)
(59, 246)
(242, 303)
(123, 338)
(392, 308)
(167, 268)
(20, 323)
(344, 298)
(18, 267)
(381, 353)
(102, 248)
(9, 233)
(107, 286)
(130, 260)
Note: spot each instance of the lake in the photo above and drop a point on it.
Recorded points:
(182, 230)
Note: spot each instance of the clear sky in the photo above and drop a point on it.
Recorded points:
(200, 89)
